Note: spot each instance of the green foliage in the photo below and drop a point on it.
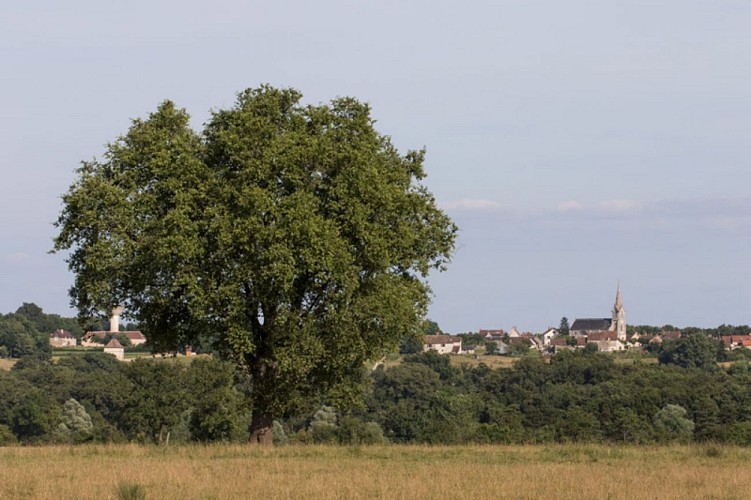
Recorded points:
(46, 323)
(412, 343)
(33, 417)
(470, 340)
(324, 425)
(6, 436)
(219, 410)
(18, 339)
(120, 337)
(130, 491)
(296, 237)
(280, 437)
(519, 348)
(582, 367)
(430, 327)
(563, 328)
(439, 363)
(491, 348)
(157, 400)
(574, 396)
(75, 423)
(671, 424)
(691, 351)
(354, 431)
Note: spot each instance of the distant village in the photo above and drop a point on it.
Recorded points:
(92, 339)
(602, 334)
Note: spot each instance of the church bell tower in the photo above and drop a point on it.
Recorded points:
(619, 316)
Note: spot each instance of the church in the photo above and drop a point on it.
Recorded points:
(586, 327)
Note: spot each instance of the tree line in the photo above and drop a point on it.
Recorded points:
(575, 396)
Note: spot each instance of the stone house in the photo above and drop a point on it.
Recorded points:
(62, 338)
(115, 348)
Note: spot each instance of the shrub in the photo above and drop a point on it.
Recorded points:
(6, 436)
(130, 491)
(324, 426)
(280, 437)
(671, 424)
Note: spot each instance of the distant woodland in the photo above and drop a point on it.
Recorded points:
(693, 391)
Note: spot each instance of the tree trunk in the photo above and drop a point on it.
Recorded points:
(261, 429)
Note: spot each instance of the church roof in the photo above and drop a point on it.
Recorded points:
(591, 324)
(601, 335)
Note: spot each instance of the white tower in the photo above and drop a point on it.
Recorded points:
(115, 318)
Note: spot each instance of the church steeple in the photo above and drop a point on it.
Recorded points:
(619, 316)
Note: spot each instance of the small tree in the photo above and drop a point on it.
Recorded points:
(692, 351)
(563, 328)
(671, 424)
(75, 423)
(491, 348)
(324, 425)
(6, 436)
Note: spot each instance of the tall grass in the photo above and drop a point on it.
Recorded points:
(413, 472)
(130, 491)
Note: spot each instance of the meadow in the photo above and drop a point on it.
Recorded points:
(388, 471)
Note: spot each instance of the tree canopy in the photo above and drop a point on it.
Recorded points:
(296, 237)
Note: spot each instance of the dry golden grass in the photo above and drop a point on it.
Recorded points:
(410, 472)
(7, 364)
(491, 361)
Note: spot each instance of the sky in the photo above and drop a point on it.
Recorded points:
(578, 145)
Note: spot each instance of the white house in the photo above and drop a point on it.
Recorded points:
(548, 335)
(443, 344)
(608, 345)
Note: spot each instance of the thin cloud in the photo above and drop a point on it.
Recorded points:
(471, 204)
(16, 258)
(570, 205)
(618, 206)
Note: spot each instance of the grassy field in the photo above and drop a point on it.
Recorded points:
(414, 472)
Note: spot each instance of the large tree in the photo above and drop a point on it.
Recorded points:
(296, 237)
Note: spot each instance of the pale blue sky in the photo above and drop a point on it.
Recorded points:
(575, 143)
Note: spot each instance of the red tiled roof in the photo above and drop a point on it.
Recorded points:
(439, 339)
(114, 343)
(492, 333)
(61, 334)
(602, 335)
(518, 340)
(742, 340)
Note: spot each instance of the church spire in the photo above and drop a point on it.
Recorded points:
(618, 301)
(618, 323)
